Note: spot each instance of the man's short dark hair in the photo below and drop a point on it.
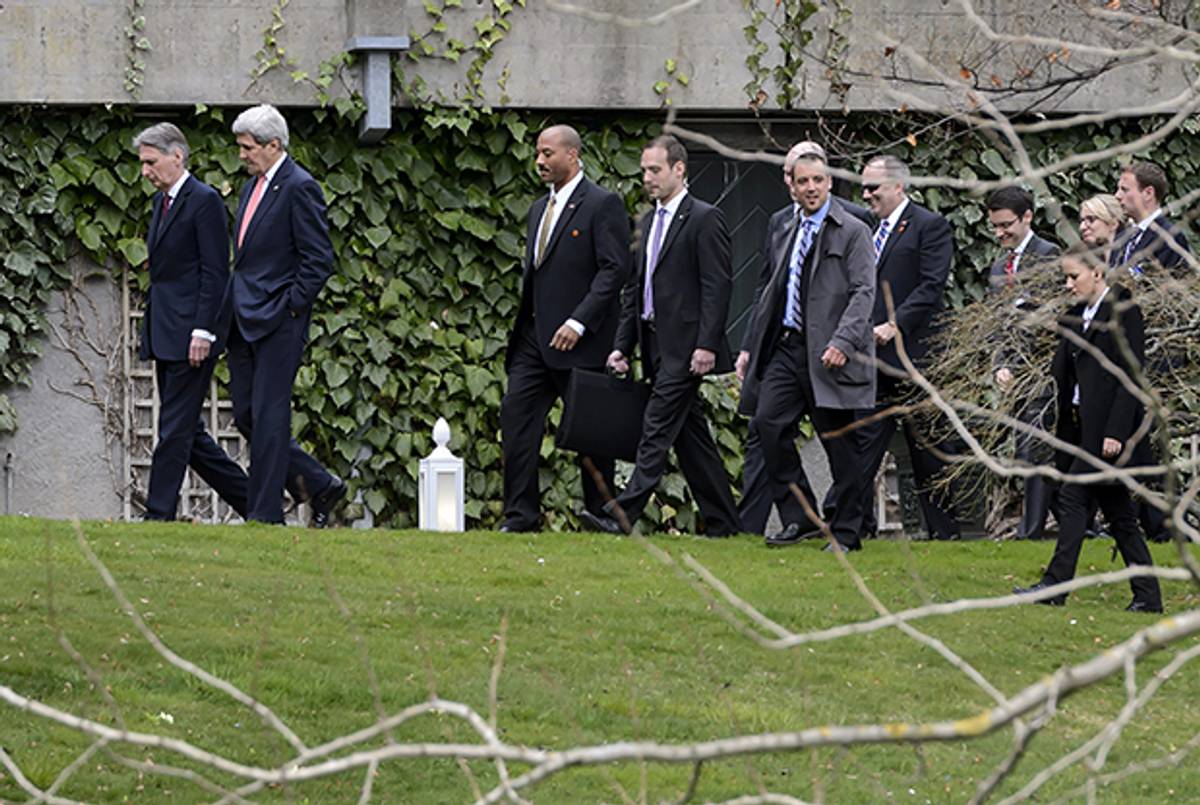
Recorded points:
(1017, 200)
(1148, 174)
(675, 150)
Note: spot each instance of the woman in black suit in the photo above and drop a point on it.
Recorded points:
(1097, 412)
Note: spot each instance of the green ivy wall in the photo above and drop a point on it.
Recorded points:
(428, 230)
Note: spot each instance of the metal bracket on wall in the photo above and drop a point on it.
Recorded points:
(376, 83)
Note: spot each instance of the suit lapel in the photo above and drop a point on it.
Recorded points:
(156, 215)
(564, 218)
(678, 222)
(535, 221)
(270, 194)
(164, 223)
(896, 234)
(247, 189)
(781, 248)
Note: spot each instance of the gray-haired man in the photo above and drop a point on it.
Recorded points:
(186, 320)
(282, 258)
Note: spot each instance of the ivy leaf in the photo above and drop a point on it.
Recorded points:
(378, 235)
(336, 373)
(478, 227)
(515, 127)
(134, 250)
(42, 201)
(89, 235)
(111, 218)
(993, 161)
(339, 183)
(62, 177)
(103, 181)
(80, 167)
(451, 219)
(24, 258)
(375, 501)
(478, 379)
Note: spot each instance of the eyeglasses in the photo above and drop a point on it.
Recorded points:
(1003, 226)
(871, 188)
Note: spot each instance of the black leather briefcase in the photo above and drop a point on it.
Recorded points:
(602, 415)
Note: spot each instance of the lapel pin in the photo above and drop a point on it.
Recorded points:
(574, 233)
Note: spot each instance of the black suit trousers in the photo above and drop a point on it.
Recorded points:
(183, 440)
(675, 418)
(532, 390)
(873, 438)
(261, 374)
(785, 396)
(1076, 502)
(758, 493)
(1041, 495)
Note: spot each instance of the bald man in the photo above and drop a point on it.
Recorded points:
(576, 261)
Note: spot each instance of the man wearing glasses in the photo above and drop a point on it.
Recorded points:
(1010, 215)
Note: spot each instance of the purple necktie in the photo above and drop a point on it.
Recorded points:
(656, 239)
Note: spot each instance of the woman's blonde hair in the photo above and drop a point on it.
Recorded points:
(1105, 207)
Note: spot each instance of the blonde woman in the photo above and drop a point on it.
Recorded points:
(1101, 223)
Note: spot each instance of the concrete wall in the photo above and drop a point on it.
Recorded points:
(76, 51)
(61, 465)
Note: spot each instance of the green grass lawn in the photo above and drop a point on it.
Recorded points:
(604, 643)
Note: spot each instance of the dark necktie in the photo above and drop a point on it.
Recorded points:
(1131, 245)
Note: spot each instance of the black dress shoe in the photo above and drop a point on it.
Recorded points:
(1053, 601)
(1144, 606)
(600, 522)
(847, 548)
(516, 528)
(324, 503)
(791, 535)
(151, 517)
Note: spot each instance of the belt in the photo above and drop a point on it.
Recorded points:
(649, 325)
(791, 334)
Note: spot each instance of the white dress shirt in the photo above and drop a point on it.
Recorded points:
(561, 197)
(1089, 313)
(893, 221)
(173, 194)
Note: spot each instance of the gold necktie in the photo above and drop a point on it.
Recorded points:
(544, 233)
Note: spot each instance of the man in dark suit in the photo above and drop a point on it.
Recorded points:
(186, 321)
(757, 491)
(1010, 215)
(812, 350)
(576, 260)
(1099, 414)
(913, 250)
(282, 258)
(675, 307)
(1153, 237)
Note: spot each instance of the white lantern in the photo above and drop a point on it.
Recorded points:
(440, 507)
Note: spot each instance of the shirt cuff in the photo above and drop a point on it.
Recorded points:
(205, 334)
(575, 325)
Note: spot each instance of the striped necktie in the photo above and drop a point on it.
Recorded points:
(1131, 247)
(794, 315)
(881, 236)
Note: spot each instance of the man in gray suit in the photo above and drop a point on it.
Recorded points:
(1010, 215)
(813, 349)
